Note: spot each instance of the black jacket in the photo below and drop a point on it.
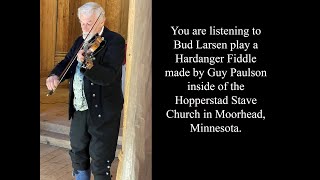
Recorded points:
(102, 83)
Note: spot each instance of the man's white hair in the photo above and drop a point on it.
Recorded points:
(91, 7)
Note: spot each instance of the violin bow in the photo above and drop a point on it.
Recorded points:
(64, 72)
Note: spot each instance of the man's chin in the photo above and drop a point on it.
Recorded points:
(84, 36)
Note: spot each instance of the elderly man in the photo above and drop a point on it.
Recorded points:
(95, 98)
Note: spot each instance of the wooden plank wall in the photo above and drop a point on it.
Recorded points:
(59, 26)
(47, 33)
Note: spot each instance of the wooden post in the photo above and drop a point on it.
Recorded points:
(135, 156)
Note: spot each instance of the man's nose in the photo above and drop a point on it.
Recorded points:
(85, 29)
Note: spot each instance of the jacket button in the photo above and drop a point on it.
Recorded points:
(91, 84)
(99, 116)
(93, 95)
(96, 105)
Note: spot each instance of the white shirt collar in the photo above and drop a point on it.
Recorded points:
(101, 31)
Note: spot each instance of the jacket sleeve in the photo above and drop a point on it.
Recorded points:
(104, 73)
(58, 69)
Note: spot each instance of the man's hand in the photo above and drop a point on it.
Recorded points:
(80, 56)
(52, 82)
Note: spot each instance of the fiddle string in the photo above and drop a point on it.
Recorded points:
(74, 57)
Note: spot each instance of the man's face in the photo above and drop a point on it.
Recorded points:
(87, 23)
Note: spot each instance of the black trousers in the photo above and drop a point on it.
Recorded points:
(95, 140)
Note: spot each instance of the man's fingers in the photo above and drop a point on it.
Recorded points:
(52, 83)
(51, 86)
(55, 83)
(48, 84)
(80, 55)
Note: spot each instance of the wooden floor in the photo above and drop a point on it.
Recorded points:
(55, 164)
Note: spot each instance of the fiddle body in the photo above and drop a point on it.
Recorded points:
(90, 50)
